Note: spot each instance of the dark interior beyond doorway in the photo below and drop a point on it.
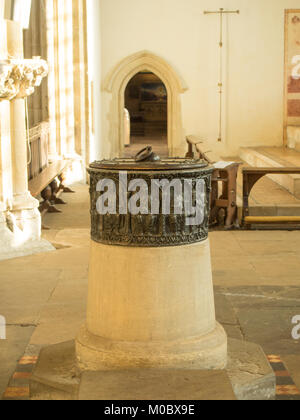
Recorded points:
(146, 100)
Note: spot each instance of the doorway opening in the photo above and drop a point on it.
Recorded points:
(146, 115)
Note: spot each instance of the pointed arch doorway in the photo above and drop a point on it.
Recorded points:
(116, 84)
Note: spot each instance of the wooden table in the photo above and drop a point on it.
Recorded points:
(250, 177)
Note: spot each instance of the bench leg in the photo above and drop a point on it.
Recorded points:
(53, 209)
(231, 194)
(55, 187)
(47, 205)
(51, 197)
(214, 209)
(58, 200)
(62, 186)
(249, 181)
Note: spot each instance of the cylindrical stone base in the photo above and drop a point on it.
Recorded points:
(151, 308)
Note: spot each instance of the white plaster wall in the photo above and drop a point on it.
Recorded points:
(179, 32)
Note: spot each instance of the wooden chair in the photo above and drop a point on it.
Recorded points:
(223, 206)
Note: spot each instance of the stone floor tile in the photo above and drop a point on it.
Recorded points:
(11, 350)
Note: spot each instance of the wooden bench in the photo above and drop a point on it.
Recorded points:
(223, 206)
(46, 185)
(194, 143)
(250, 177)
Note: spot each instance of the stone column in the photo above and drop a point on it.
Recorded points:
(5, 163)
(96, 146)
(67, 77)
(24, 206)
(53, 108)
(2, 8)
(80, 87)
(20, 220)
(6, 234)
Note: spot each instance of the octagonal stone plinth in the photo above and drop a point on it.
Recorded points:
(248, 376)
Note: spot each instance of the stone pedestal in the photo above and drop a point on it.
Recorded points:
(150, 308)
(150, 299)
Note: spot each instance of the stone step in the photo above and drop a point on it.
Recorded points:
(248, 376)
(275, 157)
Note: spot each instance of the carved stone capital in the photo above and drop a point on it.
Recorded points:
(8, 90)
(19, 78)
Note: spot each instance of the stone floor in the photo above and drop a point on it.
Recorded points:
(256, 279)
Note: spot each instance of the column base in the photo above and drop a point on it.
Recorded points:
(26, 216)
(205, 352)
(16, 243)
(24, 201)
